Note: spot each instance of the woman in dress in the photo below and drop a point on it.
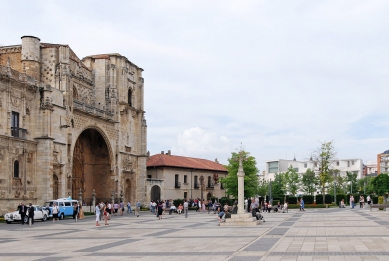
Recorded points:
(160, 210)
(81, 213)
(203, 205)
(105, 214)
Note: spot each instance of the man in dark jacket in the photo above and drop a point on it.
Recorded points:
(31, 210)
(22, 211)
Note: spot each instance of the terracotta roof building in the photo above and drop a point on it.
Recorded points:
(171, 177)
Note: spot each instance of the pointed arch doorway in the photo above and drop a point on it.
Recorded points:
(155, 193)
(91, 167)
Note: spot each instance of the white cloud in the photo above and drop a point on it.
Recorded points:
(197, 142)
(277, 76)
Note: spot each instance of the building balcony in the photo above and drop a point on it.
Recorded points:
(177, 185)
(211, 185)
(196, 186)
(90, 109)
(18, 133)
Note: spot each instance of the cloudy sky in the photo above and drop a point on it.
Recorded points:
(277, 76)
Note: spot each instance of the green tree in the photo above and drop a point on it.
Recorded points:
(277, 185)
(352, 185)
(263, 187)
(309, 182)
(292, 180)
(250, 179)
(381, 184)
(323, 157)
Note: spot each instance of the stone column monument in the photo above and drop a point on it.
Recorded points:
(241, 218)
(240, 186)
(93, 200)
(80, 197)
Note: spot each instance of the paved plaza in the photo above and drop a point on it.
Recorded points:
(327, 234)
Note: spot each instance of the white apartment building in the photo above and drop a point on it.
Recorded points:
(343, 165)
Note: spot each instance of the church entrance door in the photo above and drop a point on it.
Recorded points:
(91, 167)
(155, 193)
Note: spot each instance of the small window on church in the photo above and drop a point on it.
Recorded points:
(130, 97)
(16, 169)
(75, 93)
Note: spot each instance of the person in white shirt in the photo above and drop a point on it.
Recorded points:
(97, 214)
(55, 210)
(186, 208)
(285, 207)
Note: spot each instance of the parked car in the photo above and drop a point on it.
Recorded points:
(39, 214)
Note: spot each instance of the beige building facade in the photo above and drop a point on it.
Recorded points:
(177, 177)
(69, 126)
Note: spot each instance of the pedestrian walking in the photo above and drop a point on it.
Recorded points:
(97, 209)
(160, 210)
(368, 200)
(55, 212)
(302, 204)
(129, 210)
(137, 209)
(105, 215)
(121, 206)
(351, 201)
(75, 211)
(22, 211)
(186, 208)
(31, 213)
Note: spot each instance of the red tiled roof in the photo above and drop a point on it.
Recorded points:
(163, 160)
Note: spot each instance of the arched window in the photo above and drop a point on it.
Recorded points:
(209, 181)
(55, 186)
(130, 97)
(16, 169)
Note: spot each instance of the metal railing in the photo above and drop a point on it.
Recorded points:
(18, 133)
(79, 105)
(177, 184)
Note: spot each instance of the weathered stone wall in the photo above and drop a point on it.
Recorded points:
(64, 97)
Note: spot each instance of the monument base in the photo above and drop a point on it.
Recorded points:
(241, 220)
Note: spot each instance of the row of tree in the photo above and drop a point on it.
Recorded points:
(323, 178)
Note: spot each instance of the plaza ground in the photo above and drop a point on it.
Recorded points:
(322, 234)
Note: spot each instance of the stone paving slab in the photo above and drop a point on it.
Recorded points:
(325, 234)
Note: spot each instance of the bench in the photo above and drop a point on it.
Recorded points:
(384, 206)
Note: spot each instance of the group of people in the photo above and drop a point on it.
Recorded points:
(26, 211)
(104, 210)
(352, 201)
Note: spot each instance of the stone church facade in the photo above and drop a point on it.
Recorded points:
(69, 126)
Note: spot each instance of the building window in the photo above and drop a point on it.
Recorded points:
(196, 182)
(15, 124)
(149, 176)
(296, 169)
(75, 93)
(352, 162)
(305, 165)
(185, 179)
(273, 167)
(348, 163)
(185, 195)
(337, 163)
(16, 169)
(177, 184)
(221, 185)
(130, 97)
(315, 164)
